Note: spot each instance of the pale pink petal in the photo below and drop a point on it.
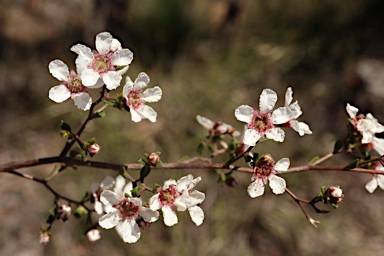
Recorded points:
(300, 127)
(98, 207)
(256, 188)
(148, 214)
(59, 70)
(378, 145)
(277, 184)
(103, 42)
(351, 110)
(59, 93)
(187, 182)
(115, 45)
(119, 185)
(197, 215)
(82, 100)
(89, 77)
(108, 197)
(251, 137)
(141, 81)
(179, 204)
(170, 217)
(154, 202)
(276, 134)
(169, 183)
(109, 220)
(282, 115)
(205, 122)
(244, 113)
(112, 80)
(83, 51)
(282, 165)
(288, 96)
(371, 185)
(122, 57)
(267, 100)
(148, 113)
(129, 231)
(135, 116)
(152, 94)
(107, 182)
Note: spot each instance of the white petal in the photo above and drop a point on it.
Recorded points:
(187, 182)
(371, 185)
(244, 113)
(94, 187)
(148, 113)
(119, 185)
(282, 164)
(83, 51)
(282, 115)
(122, 57)
(154, 202)
(296, 110)
(112, 80)
(170, 217)
(378, 145)
(109, 220)
(197, 215)
(148, 214)
(251, 137)
(128, 86)
(195, 198)
(288, 96)
(367, 137)
(127, 189)
(59, 93)
(89, 77)
(82, 100)
(108, 197)
(351, 110)
(152, 94)
(179, 204)
(59, 70)
(300, 127)
(256, 188)
(267, 100)
(376, 126)
(103, 42)
(277, 184)
(107, 182)
(380, 181)
(276, 134)
(142, 79)
(98, 207)
(129, 231)
(122, 71)
(135, 116)
(205, 122)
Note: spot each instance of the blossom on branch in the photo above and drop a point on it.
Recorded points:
(135, 98)
(72, 86)
(104, 66)
(376, 181)
(217, 128)
(123, 213)
(179, 196)
(97, 189)
(262, 123)
(265, 170)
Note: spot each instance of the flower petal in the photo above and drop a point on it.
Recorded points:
(119, 185)
(296, 110)
(244, 113)
(152, 94)
(108, 197)
(300, 127)
(277, 184)
(282, 164)
(103, 42)
(351, 110)
(378, 145)
(148, 113)
(267, 100)
(129, 231)
(84, 52)
(135, 116)
(256, 188)
(107, 182)
(380, 181)
(89, 77)
(251, 137)
(276, 134)
(288, 96)
(82, 100)
(109, 220)
(187, 182)
(371, 185)
(112, 80)
(122, 57)
(141, 81)
(98, 207)
(154, 202)
(170, 217)
(148, 214)
(282, 115)
(197, 215)
(59, 70)
(205, 122)
(59, 93)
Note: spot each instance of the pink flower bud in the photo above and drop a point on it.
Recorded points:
(94, 148)
(154, 158)
(335, 194)
(64, 211)
(93, 235)
(44, 237)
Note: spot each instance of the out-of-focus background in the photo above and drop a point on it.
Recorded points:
(209, 57)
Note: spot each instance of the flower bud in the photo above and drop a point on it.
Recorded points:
(44, 237)
(230, 181)
(335, 194)
(143, 225)
(63, 212)
(93, 235)
(153, 158)
(93, 148)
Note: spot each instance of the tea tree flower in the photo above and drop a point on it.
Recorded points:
(135, 98)
(265, 170)
(263, 122)
(217, 128)
(122, 187)
(179, 196)
(376, 181)
(93, 235)
(71, 86)
(104, 66)
(123, 213)
(97, 189)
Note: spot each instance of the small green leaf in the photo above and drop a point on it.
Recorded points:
(200, 148)
(64, 126)
(99, 114)
(313, 160)
(109, 102)
(142, 161)
(155, 187)
(353, 164)
(136, 191)
(144, 172)
(122, 171)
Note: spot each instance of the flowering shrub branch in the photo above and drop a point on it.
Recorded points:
(117, 202)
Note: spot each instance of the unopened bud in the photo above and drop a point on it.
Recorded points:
(93, 148)
(154, 158)
(63, 212)
(44, 237)
(230, 182)
(335, 194)
(93, 235)
(143, 224)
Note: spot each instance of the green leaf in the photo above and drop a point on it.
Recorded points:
(338, 146)
(64, 126)
(144, 172)
(136, 191)
(142, 161)
(353, 164)
(314, 159)
(155, 187)
(99, 114)
(109, 102)
(200, 148)
(122, 171)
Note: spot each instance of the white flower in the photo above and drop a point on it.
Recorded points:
(265, 170)
(97, 189)
(136, 98)
(93, 235)
(376, 181)
(104, 66)
(262, 122)
(179, 196)
(71, 87)
(123, 215)
(217, 128)
(122, 187)
(300, 127)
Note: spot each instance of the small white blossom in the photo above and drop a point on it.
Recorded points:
(136, 98)
(376, 181)
(262, 122)
(217, 128)
(104, 66)
(123, 213)
(97, 189)
(93, 235)
(179, 196)
(71, 87)
(264, 171)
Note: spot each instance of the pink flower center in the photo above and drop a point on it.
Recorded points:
(264, 168)
(74, 83)
(102, 63)
(168, 196)
(134, 99)
(261, 122)
(128, 209)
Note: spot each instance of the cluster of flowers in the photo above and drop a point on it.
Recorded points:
(104, 66)
(129, 214)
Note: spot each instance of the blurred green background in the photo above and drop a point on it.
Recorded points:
(209, 57)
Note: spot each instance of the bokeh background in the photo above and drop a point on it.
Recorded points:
(209, 57)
